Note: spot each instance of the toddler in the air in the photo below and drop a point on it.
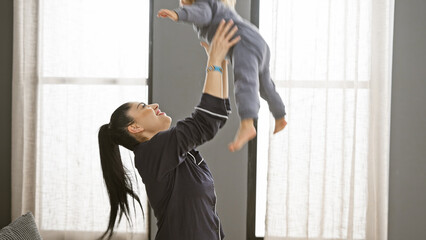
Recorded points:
(250, 59)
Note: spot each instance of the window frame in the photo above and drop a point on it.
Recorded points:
(252, 155)
(149, 83)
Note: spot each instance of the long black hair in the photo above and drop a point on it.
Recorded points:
(116, 178)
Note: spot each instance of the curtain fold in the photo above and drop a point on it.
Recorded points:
(24, 107)
(328, 170)
(379, 122)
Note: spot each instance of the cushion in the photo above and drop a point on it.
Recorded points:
(23, 228)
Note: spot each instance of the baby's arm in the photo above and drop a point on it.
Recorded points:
(167, 13)
(199, 13)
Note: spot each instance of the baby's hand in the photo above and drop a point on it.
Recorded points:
(163, 13)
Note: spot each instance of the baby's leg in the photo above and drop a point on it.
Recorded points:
(245, 133)
(269, 93)
(246, 88)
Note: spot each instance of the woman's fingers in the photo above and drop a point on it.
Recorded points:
(235, 40)
(219, 30)
(231, 33)
(226, 28)
(223, 32)
(222, 41)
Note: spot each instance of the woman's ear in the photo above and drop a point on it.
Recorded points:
(134, 128)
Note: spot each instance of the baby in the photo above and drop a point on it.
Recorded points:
(250, 60)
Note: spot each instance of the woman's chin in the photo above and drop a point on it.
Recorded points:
(169, 121)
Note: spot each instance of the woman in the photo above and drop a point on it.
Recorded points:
(178, 182)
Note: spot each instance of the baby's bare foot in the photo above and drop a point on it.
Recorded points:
(245, 133)
(279, 124)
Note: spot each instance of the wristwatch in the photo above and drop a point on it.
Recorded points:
(214, 68)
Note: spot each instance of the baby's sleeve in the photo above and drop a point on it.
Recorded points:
(199, 13)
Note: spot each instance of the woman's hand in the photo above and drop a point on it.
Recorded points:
(221, 43)
(206, 47)
(163, 13)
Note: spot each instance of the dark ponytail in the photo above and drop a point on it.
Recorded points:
(117, 181)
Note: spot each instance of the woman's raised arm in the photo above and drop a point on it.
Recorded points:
(221, 43)
(212, 111)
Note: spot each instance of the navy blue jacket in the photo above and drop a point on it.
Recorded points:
(178, 182)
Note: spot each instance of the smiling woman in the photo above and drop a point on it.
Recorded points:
(178, 181)
(147, 120)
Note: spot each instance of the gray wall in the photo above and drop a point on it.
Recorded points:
(407, 211)
(6, 26)
(178, 77)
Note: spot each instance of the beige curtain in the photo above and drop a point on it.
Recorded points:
(24, 107)
(328, 171)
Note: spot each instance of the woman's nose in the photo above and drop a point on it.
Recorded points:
(154, 105)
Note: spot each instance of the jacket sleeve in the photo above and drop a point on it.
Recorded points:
(209, 116)
(199, 13)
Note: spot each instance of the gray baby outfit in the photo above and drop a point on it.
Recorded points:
(249, 57)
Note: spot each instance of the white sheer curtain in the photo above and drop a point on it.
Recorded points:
(74, 63)
(328, 170)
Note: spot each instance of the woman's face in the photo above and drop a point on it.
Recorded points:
(148, 120)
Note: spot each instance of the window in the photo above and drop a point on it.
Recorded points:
(95, 57)
(322, 58)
